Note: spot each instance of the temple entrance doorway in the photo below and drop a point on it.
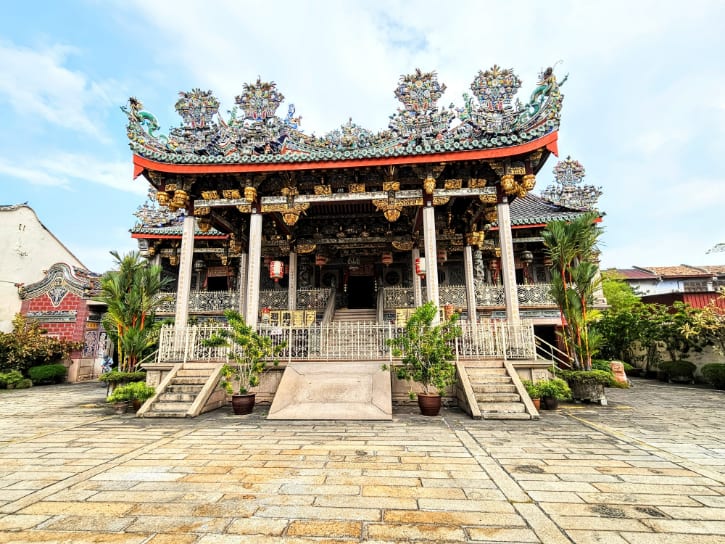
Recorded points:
(360, 292)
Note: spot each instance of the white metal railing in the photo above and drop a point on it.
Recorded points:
(352, 341)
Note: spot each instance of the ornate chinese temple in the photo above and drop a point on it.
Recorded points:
(298, 231)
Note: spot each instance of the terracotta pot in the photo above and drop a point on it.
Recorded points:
(120, 407)
(429, 405)
(537, 403)
(243, 404)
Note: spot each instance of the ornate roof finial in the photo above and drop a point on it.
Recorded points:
(568, 189)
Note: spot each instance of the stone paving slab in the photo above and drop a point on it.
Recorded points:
(649, 468)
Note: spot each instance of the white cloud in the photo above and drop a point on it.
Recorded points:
(37, 84)
(61, 169)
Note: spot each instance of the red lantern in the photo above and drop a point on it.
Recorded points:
(387, 258)
(320, 260)
(420, 266)
(276, 270)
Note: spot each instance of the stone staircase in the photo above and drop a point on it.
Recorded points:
(355, 315)
(190, 390)
(494, 390)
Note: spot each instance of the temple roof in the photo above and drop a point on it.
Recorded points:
(679, 271)
(535, 210)
(491, 118)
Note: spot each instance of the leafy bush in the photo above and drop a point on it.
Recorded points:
(28, 345)
(131, 391)
(714, 374)
(114, 377)
(601, 364)
(8, 380)
(678, 370)
(586, 376)
(554, 388)
(45, 374)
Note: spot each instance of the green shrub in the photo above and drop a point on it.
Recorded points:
(45, 374)
(714, 374)
(586, 376)
(554, 388)
(601, 364)
(678, 370)
(25, 383)
(131, 391)
(114, 377)
(29, 345)
(9, 380)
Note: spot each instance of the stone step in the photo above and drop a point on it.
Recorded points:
(494, 379)
(170, 407)
(484, 372)
(165, 414)
(193, 372)
(197, 380)
(505, 415)
(493, 388)
(497, 397)
(484, 364)
(503, 407)
(168, 396)
(188, 389)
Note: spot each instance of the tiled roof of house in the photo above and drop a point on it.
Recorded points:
(715, 270)
(679, 271)
(635, 274)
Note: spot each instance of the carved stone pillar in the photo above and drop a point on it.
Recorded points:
(242, 284)
(254, 269)
(431, 257)
(292, 287)
(508, 270)
(417, 290)
(185, 261)
(470, 284)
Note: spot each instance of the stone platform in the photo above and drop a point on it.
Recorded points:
(333, 391)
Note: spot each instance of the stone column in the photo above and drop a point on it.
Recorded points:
(417, 290)
(470, 285)
(242, 284)
(431, 257)
(292, 286)
(508, 270)
(183, 288)
(254, 269)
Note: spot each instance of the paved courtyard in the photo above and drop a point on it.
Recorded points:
(648, 468)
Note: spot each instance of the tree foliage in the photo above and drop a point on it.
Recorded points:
(130, 294)
(572, 247)
(29, 345)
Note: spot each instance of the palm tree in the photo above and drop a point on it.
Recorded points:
(572, 247)
(130, 295)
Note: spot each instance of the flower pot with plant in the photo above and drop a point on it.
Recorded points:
(534, 393)
(248, 357)
(135, 393)
(552, 391)
(427, 356)
(587, 385)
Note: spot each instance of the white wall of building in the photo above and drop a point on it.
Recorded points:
(27, 248)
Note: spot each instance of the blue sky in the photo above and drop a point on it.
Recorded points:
(644, 107)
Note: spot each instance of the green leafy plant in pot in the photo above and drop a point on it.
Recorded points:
(552, 391)
(533, 391)
(249, 355)
(427, 355)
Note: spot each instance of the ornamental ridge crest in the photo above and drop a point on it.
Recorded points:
(197, 108)
(496, 88)
(259, 101)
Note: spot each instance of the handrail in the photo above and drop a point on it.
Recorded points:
(555, 354)
(330, 308)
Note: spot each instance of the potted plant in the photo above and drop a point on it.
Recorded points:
(248, 356)
(534, 392)
(119, 399)
(135, 393)
(427, 355)
(552, 391)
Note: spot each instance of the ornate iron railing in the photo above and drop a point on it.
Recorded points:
(535, 294)
(273, 298)
(200, 302)
(313, 298)
(351, 341)
(398, 297)
(452, 294)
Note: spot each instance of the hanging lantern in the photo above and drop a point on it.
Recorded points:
(527, 257)
(276, 270)
(320, 260)
(387, 258)
(442, 255)
(420, 266)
